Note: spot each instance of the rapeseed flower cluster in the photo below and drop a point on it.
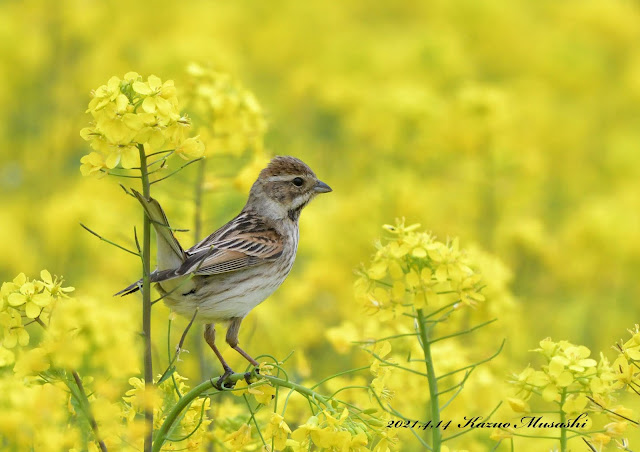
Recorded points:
(36, 417)
(569, 370)
(226, 115)
(413, 270)
(576, 384)
(230, 122)
(339, 425)
(22, 302)
(81, 336)
(192, 430)
(422, 284)
(51, 405)
(76, 336)
(342, 431)
(131, 115)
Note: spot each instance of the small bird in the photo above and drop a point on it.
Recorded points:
(236, 268)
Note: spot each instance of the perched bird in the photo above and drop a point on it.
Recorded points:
(237, 267)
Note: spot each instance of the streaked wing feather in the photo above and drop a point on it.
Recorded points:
(244, 242)
(229, 266)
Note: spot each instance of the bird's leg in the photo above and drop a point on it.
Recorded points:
(232, 340)
(184, 333)
(210, 337)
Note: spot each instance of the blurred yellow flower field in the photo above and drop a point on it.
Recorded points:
(475, 268)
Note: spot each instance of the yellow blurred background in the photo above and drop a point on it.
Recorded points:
(512, 125)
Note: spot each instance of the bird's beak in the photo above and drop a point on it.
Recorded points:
(321, 187)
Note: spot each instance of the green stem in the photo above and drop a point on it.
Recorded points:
(176, 171)
(375, 341)
(467, 331)
(146, 299)
(563, 430)
(81, 396)
(436, 436)
(300, 390)
(108, 241)
(253, 418)
(340, 374)
(174, 412)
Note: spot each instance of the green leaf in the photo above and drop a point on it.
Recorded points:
(167, 373)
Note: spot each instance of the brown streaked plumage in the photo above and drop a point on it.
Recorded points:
(237, 267)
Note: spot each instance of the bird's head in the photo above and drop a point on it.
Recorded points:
(284, 188)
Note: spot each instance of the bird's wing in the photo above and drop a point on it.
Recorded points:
(244, 242)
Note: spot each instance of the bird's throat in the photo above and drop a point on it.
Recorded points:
(294, 214)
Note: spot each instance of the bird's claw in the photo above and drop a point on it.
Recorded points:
(220, 385)
(252, 373)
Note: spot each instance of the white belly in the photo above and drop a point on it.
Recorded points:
(226, 296)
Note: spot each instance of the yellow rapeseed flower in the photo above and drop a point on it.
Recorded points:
(14, 332)
(31, 299)
(599, 440)
(518, 405)
(190, 148)
(263, 393)
(240, 438)
(93, 164)
(278, 430)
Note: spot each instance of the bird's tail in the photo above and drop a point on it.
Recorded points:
(129, 289)
(170, 254)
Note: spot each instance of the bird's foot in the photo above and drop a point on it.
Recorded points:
(251, 375)
(221, 383)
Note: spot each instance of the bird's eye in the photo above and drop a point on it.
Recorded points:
(298, 182)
